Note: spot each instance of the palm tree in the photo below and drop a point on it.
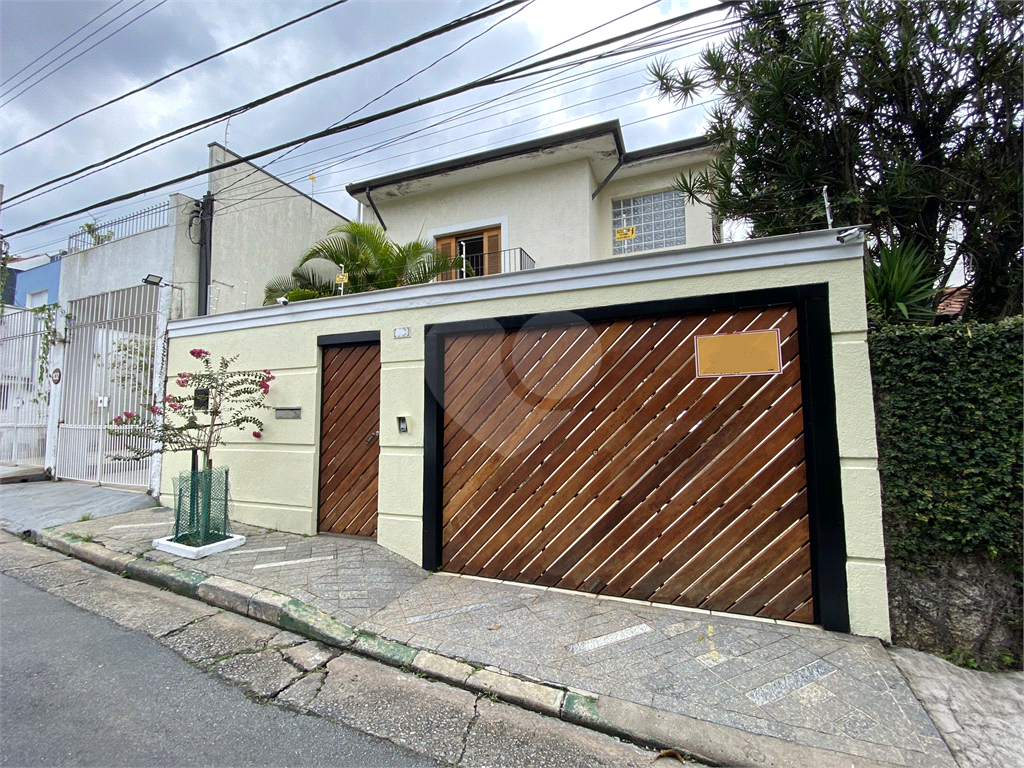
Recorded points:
(372, 260)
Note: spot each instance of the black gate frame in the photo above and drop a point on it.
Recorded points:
(821, 439)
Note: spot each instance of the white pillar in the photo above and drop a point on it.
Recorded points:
(159, 388)
(53, 408)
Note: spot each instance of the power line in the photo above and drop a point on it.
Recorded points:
(674, 110)
(175, 72)
(506, 76)
(693, 35)
(526, 58)
(419, 134)
(98, 42)
(403, 82)
(437, 31)
(696, 34)
(58, 45)
(359, 151)
(402, 139)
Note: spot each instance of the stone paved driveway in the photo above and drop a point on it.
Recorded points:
(787, 681)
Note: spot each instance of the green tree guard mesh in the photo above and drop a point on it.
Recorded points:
(201, 507)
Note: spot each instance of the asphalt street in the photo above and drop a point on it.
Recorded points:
(77, 689)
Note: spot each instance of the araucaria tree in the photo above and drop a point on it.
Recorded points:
(909, 111)
(215, 399)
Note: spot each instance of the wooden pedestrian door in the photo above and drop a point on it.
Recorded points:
(349, 440)
(592, 457)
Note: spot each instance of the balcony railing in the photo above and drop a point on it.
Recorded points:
(515, 260)
(511, 260)
(106, 231)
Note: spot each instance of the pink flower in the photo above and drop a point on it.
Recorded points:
(183, 379)
(199, 354)
(175, 406)
(257, 435)
(156, 410)
(266, 371)
(118, 420)
(265, 387)
(129, 414)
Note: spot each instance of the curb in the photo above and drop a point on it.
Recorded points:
(708, 742)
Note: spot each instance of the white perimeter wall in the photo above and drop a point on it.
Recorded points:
(274, 480)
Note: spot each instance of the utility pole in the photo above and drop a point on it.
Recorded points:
(205, 247)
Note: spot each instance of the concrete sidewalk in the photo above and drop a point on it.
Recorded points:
(32, 505)
(725, 689)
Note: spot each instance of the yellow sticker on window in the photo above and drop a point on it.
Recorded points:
(625, 233)
(748, 353)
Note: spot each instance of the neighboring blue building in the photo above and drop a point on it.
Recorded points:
(37, 286)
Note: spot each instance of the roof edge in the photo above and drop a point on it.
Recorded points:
(501, 153)
(662, 150)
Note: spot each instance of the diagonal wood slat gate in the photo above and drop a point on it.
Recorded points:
(592, 457)
(349, 444)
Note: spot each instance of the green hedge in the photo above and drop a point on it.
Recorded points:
(948, 407)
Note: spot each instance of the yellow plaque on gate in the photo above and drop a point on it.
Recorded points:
(748, 353)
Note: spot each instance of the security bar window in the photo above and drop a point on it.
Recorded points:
(651, 221)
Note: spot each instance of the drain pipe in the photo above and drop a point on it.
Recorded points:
(205, 248)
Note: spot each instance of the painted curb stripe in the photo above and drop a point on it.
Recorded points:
(614, 637)
(283, 563)
(449, 612)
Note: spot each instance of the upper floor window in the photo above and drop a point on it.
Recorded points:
(657, 220)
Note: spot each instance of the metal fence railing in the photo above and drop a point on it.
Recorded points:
(109, 360)
(102, 232)
(511, 260)
(23, 405)
(516, 260)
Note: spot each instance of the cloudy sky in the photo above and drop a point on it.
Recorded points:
(149, 38)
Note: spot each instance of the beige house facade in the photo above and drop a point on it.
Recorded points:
(812, 281)
(565, 199)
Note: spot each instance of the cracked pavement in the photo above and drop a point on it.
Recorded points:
(447, 724)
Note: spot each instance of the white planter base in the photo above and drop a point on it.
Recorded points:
(194, 553)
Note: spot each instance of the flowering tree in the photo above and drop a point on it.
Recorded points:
(190, 422)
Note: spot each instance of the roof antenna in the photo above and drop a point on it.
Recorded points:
(828, 207)
(226, 126)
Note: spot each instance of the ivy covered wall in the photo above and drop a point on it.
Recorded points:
(948, 402)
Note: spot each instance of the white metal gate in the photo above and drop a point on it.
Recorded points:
(23, 400)
(109, 363)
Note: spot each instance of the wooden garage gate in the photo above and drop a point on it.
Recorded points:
(591, 457)
(349, 440)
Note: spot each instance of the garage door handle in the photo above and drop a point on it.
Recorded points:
(375, 434)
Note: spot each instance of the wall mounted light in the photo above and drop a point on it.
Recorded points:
(403, 425)
(153, 280)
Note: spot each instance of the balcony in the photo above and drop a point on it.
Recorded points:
(494, 263)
